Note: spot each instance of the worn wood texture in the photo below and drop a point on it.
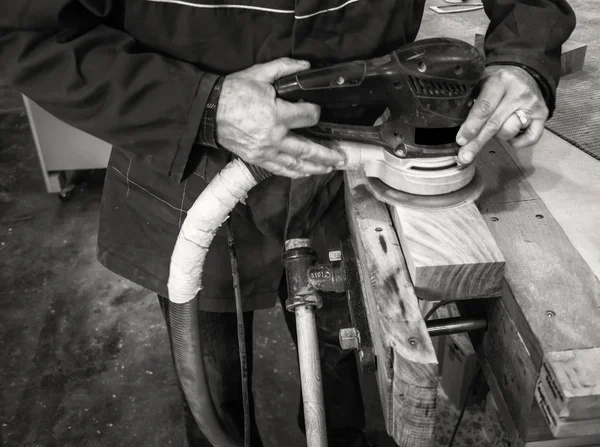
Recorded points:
(568, 391)
(572, 57)
(407, 368)
(459, 363)
(439, 343)
(450, 252)
(492, 415)
(567, 181)
(550, 302)
(572, 54)
(541, 436)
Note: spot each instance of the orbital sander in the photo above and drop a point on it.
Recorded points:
(428, 87)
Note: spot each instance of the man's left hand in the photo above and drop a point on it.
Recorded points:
(506, 89)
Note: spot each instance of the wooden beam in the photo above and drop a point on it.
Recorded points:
(494, 431)
(450, 253)
(572, 57)
(551, 295)
(568, 391)
(566, 179)
(540, 434)
(459, 364)
(506, 364)
(407, 368)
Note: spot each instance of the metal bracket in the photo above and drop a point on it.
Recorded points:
(359, 336)
(306, 278)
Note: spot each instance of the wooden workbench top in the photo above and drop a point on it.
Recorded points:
(564, 177)
(541, 351)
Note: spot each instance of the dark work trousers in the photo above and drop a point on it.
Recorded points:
(343, 400)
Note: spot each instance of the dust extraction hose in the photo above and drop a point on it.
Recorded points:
(199, 228)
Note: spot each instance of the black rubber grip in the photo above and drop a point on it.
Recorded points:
(258, 173)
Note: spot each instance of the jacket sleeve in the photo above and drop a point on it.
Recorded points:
(529, 33)
(67, 57)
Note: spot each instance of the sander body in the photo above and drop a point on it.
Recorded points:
(428, 87)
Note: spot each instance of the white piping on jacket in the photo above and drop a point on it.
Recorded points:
(343, 5)
(256, 8)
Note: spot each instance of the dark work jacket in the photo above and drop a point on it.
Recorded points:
(137, 74)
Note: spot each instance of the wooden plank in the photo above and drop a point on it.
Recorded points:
(572, 54)
(438, 343)
(572, 377)
(551, 284)
(551, 294)
(567, 180)
(491, 426)
(450, 252)
(407, 368)
(506, 364)
(539, 435)
(572, 57)
(579, 441)
(569, 393)
(460, 362)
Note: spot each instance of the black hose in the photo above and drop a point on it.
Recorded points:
(258, 173)
(186, 346)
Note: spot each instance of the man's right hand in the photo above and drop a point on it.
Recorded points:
(255, 125)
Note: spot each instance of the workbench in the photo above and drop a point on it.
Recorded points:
(540, 354)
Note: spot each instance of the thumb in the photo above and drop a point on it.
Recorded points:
(271, 71)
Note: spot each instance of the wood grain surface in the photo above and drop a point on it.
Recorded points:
(551, 295)
(568, 182)
(450, 252)
(568, 391)
(460, 361)
(407, 368)
(572, 57)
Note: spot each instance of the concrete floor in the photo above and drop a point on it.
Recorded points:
(84, 358)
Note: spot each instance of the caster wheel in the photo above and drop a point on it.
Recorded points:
(66, 193)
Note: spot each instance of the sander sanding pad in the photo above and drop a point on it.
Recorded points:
(391, 196)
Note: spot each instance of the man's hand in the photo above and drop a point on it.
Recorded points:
(506, 90)
(255, 125)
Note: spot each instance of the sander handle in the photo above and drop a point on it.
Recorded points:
(427, 85)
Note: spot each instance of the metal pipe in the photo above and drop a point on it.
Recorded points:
(455, 325)
(304, 300)
(310, 377)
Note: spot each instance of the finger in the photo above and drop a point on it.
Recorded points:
(491, 127)
(298, 115)
(296, 164)
(511, 128)
(483, 108)
(301, 147)
(278, 68)
(282, 171)
(530, 136)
